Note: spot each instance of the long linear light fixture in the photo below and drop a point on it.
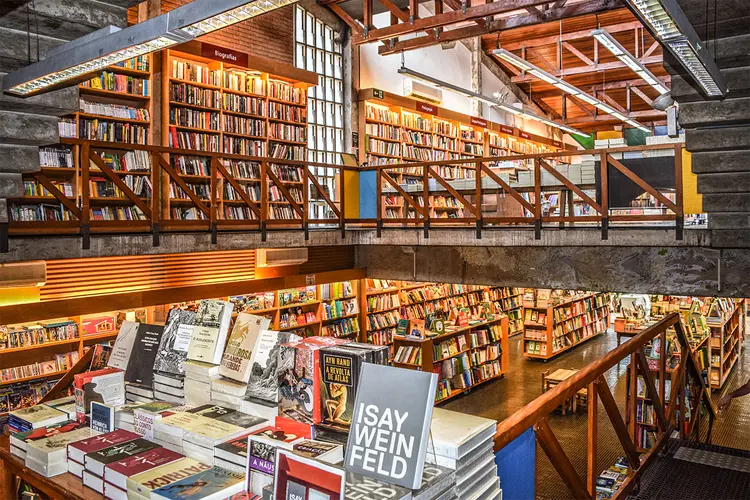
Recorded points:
(561, 84)
(492, 102)
(605, 38)
(110, 45)
(669, 25)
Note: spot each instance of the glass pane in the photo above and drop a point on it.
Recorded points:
(300, 25)
(319, 43)
(311, 105)
(329, 89)
(339, 91)
(329, 39)
(299, 57)
(310, 65)
(310, 30)
(321, 108)
(329, 139)
(339, 140)
(338, 67)
(339, 113)
(337, 47)
(320, 67)
(320, 143)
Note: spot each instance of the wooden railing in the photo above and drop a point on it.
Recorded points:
(686, 382)
(484, 181)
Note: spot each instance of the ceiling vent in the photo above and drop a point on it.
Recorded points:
(276, 257)
(422, 92)
(23, 274)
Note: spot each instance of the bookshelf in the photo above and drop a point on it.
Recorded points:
(554, 328)
(509, 301)
(217, 106)
(463, 357)
(726, 323)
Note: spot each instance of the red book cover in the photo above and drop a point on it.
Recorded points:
(117, 473)
(97, 386)
(79, 449)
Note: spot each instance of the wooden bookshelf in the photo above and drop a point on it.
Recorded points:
(552, 330)
(478, 353)
(726, 322)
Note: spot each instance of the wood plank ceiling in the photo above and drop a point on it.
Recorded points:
(566, 48)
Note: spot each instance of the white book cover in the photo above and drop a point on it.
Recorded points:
(263, 383)
(235, 363)
(120, 355)
(454, 433)
(54, 448)
(40, 415)
(210, 333)
(200, 371)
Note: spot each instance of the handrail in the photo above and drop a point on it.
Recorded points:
(591, 378)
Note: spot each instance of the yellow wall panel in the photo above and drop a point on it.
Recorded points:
(692, 201)
(351, 193)
(608, 134)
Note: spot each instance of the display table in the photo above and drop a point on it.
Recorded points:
(62, 487)
(550, 380)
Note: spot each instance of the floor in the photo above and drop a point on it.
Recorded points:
(501, 398)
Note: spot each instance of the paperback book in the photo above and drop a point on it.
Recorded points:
(145, 348)
(235, 363)
(123, 347)
(175, 341)
(210, 333)
(144, 483)
(263, 381)
(212, 484)
(104, 386)
(96, 461)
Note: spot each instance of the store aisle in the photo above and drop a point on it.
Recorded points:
(523, 383)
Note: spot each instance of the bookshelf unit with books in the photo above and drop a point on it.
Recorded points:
(725, 319)
(551, 329)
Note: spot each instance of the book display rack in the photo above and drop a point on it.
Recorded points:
(551, 329)
(726, 321)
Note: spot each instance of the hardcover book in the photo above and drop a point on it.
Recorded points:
(95, 461)
(121, 351)
(117, 473)
(263, 381)
(339, 371)
(210, 333)
(235, 363)
(300, 478)
(234, 450)
(78, 449)
(102, 417)
(175, 341)
(37, 416)
(212, 484)
(52, 449)
(144, 483)
(456, 434)
(327, 452)
(20, 439)
(104, 386)
(400, 415)
(146, 346)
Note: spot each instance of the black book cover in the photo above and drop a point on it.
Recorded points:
(340, 366)
(123, 450)
(146, 346)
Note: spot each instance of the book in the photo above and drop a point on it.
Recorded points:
(53, 449)
(77, 450)
(339, 371)
(175, 340)
(97, 460)
(123, 347)
(19, 440)
(233, 450)
(146, 415)
(104, 386)
(102, 417)
(455, 434)
(360, 487)
(401, 414)
(261, 452)
(210, 333)
(211, 484)
(144, 483)
(297, 477)
(34, 417)
(263, 381)
(145, 348)
(235, 363)
(117, 473)
(327, 452)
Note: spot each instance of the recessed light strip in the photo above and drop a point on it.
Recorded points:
(561, 84)
(606, 39)
(492, 102)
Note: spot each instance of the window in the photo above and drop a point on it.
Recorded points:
(318, 50)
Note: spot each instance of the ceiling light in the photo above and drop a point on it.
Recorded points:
(109, 46)
(558, 82)
(606, 39)
(669, 25)
(489, 100)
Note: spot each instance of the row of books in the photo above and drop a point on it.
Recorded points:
(35, 188)
(196, 96)
(187, 213)
(287, 152)
(101, 130)
(287, 132)
(22, 395)
(244, 81)
(380, 302)
(338, 290)
(344, 328)
(187, 117)
(275, 194)
(450, 347)
(375, 130)
(244, 104)
(139, 63)
(14, 336)
(244, 146)
(253, 192)
(239, 213)
(195, 72)
(299, 295)
(244, 126)
(130, 161)
(193, 140)
(382, 114)
(382, 320)
(339, 308)
(410, 355)
(381, 337)
(489, 369)
(296, 316)
(201, 190)
(416, 138)
(114, 82)
(55, 157)
(61, 362)
(286, 112)
(287, 173)
(117, 213)
(483, 336)
(485, 354)
(285, 92)
(113, 110)
(39, 213)
(383, 147)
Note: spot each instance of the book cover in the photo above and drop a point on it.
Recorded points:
(39, 416)
(104, 386)
(339, 372)
(123, 347)
(235, 363)
(175, 341)
(327, 452)
(210, 333)
(300, 478)
(102, 417)
(78, 449)
(141, 367)
(95, 461)
(215, 483)
(455, 434)
(53, 448)
(234, 450)
(262, 445)
(145, 482)
(263, 381)
(118, 472)
(20, 439)
(145, 416)
(400, 415)
(360, 487)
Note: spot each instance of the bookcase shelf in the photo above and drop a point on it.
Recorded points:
(726, 324)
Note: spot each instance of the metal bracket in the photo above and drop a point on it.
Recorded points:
(605, 228)
(4, 244)
(379, 228)
(411, 18)
(463, 6)
(437, 33)
(365, 32)
(155, 234)
(307, 231)
(86, 236)
(214, 235)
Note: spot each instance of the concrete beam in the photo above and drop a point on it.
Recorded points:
(14, 49)
(58, 103)
(717, 139)
(729, 182)
(27, 129)
(19, 159)
(729, 221)
(67, 20)
(11, 185)
(727, 112)
(678, 271)
(726, 202)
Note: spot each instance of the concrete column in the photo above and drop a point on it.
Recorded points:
(475, 47)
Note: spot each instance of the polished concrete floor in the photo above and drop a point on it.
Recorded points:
(501, 398)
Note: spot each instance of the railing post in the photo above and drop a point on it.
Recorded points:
(425, 197)
(263, 199)
(680, 220)
(604, 169)
(592, 407)
(305, 201)
(478, 201)
(537, 199)
(342, 206)
(155, 198)
(379, 195)
(4, 244)
(85, 194)
(213, 208)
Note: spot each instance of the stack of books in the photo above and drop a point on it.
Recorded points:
(48, 456)
(45, 415)
(464, 443)
(168, 387)
(610, 480)
(78, 450)
(137, 393)
(198, 377)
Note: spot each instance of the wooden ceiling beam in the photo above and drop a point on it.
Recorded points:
(592, 68)
(580, 105)
(567, 37)
(580, 9)
(401, 14)
(580, 55)
(349, 20)
(643, 96)
(607, 98)
(647, 115)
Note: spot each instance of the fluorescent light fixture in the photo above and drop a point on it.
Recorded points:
(669, 25)
(561, 84)
(110, 46)
(606, 39)
(489, 100)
